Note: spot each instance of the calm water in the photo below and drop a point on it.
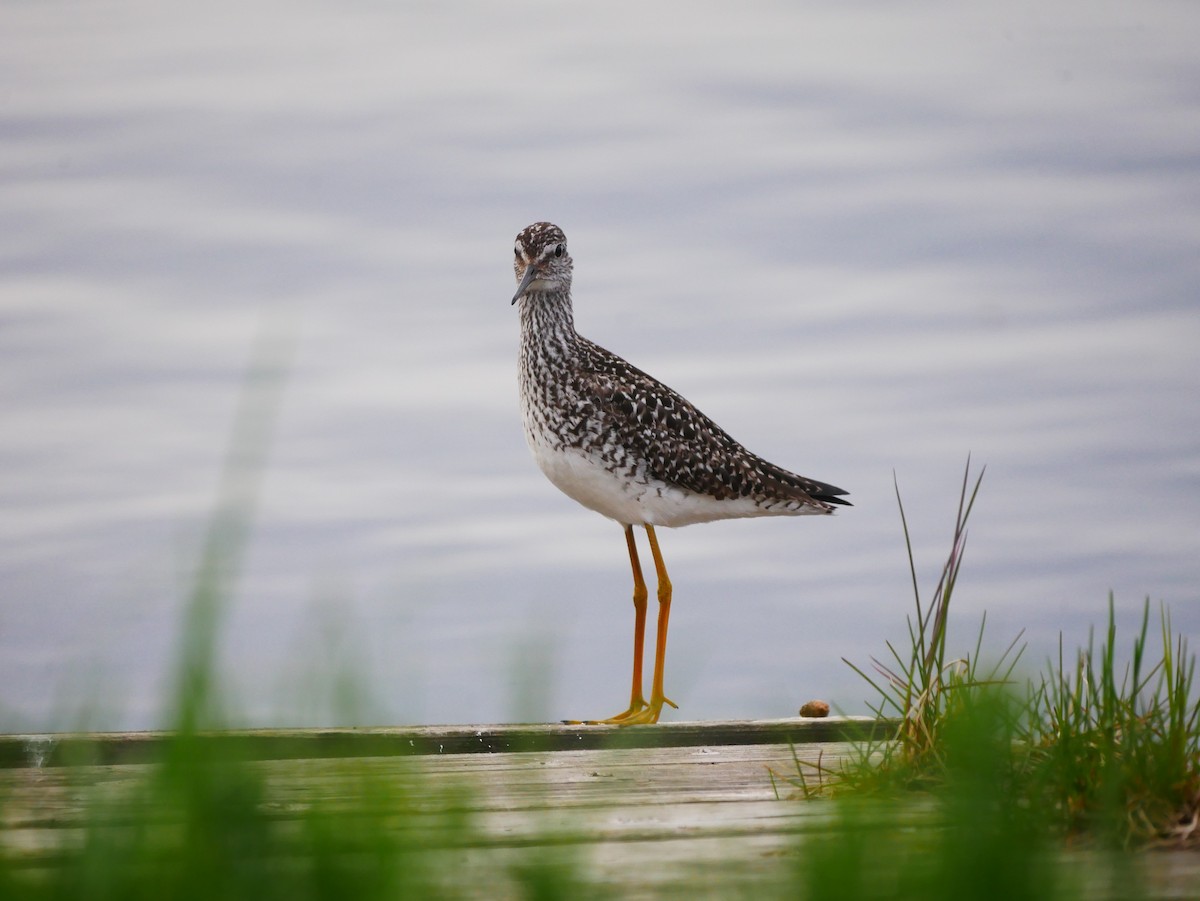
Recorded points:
(867, 240)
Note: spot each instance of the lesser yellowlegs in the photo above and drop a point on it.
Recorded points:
(625, 445)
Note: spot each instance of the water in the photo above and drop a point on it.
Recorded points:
(865, 240)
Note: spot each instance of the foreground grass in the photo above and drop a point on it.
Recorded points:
(965, 841)
(1109, 755)
(1117, 754)
(1090, 749)
(978, 796)
(199, 828)
(996, 789)
(1008, 803)
(202, 823)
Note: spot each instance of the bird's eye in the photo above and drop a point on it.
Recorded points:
(517, 252)
(559, 250)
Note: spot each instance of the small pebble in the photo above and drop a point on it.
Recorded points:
(815, 709)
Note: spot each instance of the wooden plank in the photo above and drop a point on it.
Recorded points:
(593, 788)
(642, 822)
(58, 749)
(516, 800)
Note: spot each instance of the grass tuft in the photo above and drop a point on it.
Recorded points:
(1103, 752)
(968, 840)
(1116, 750)
(920, 686)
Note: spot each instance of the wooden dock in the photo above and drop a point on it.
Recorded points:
(638, 808)
(646, 811)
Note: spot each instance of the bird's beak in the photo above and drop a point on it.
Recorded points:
(526, 279)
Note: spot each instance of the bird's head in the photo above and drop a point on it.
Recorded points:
(541, 261)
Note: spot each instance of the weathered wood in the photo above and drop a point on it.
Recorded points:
(694, 818)
(58, 749)
(679, 807)
(524, 786)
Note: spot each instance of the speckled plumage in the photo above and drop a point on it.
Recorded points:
(616, 439)
(626, 445)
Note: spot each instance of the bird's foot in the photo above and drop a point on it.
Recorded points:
(639, 713)
(648, 714)
(636, 706)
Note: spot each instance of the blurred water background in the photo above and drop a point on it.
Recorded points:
(866, 238)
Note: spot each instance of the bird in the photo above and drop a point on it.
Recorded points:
(623, 444)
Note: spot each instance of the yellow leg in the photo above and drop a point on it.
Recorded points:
(637, 703)
(652, 710)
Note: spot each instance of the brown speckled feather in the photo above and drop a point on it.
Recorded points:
(680, 444)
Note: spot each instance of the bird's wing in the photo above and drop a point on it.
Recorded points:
(679, 444)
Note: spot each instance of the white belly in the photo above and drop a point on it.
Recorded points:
(636, 500)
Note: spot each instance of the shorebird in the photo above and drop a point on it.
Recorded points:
(622, 443)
